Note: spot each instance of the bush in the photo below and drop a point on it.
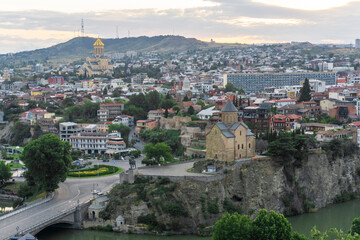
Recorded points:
(344, 196)
(213, 207)
(229, 207)
(175, 209)
(17, 202)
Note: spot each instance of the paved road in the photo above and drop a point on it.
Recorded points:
(66, 197)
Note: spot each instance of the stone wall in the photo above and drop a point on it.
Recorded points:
(174, 123)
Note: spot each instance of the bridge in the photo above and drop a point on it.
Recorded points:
(68, 206)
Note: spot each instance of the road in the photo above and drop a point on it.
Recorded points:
(66, 197)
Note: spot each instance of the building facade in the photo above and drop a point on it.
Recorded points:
(255, 82)
(230, 139)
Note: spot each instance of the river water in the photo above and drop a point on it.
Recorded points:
(335, 216)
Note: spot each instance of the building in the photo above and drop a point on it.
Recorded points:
(357, 43)
(230, 139)
(255, 82)
(280, 122)
(93, 142)
(96, 207)
(109, 111)
(56, 80)
(139, 78)
(145, 125)
(97, 64)
(68, 129)
(124, 119)
(115, 145)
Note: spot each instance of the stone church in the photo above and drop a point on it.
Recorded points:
(230, 139)
(98, 64)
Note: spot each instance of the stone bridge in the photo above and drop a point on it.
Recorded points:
(72, 217)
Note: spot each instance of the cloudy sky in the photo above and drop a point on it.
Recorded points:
(27, 25)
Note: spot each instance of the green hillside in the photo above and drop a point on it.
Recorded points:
(80, 47)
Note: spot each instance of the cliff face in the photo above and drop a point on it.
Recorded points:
(246, 189)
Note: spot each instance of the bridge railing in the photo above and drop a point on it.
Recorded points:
(51, 219)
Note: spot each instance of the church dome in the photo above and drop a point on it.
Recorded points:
(229, 107)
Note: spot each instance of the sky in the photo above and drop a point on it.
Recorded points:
(27, 25)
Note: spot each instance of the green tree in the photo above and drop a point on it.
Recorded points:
(5, 172)
(191, 110)
(67, 102)
(233, 227)
(282, 148)
(272, 226)
(231, 88)
(355, 226)
(116, 92)
(202, 103)
(157, 153)
(305, 91)
(121, 128)
(47, 160)
(153, 99)
(137, 112)
(332, 234)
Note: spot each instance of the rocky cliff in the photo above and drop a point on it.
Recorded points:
(189, 205)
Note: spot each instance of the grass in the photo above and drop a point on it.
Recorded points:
(15, 165)
(36, 197)
(13, 186)
(198, 148)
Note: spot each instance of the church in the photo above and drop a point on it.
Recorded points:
(98, 64)
(229, 139)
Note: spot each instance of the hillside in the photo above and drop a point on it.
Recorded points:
(80, 47)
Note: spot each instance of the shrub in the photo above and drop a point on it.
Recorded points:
(213, 207)
(175, 209)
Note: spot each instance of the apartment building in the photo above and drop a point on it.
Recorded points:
(109, 111)
(68, 129)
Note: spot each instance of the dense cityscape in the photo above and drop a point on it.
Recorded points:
(170, 137)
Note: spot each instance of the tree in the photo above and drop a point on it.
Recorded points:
(272, 226)
(191, 110)
(121, 128)
(157, 153)
(153, 99)
(233, 227)
(282, 148)
(116, 92)
(229, 87)
(305, 91)
(137, 112)
(202, 103)
(355, 226)
(47, 160)
(5, 172)
(186, 99)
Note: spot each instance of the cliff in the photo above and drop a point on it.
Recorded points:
(189, 205)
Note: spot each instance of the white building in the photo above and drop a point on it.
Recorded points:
(115, 83)
(206, 114)
(94, 142)
(124, 119)
(68, 129)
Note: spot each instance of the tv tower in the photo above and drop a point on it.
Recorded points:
(82, 28)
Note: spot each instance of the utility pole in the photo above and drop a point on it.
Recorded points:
(82, 28)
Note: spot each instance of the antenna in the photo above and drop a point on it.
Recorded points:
(82, 28)
(117, 32)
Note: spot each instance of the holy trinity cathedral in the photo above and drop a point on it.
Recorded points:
(97, 64)
(230, 139)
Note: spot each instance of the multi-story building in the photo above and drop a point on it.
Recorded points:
(145, 125)
(92, 142)
(313, 109)
(68, 129)
(124, 119)
(109, 111)
(281, 122)
(139, 78)
(255, 82)
(56, 80)
(115, 144)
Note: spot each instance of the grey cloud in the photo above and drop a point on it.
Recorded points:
(205, 23)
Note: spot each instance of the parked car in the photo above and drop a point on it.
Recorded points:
(106, 160)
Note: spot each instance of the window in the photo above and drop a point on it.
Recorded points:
(249, 145)
(242, 146)
(238, 146)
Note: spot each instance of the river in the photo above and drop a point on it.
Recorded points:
(335, 216)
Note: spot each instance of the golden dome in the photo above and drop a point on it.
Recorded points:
(98, 42)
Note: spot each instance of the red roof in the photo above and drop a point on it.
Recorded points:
(283, 100)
